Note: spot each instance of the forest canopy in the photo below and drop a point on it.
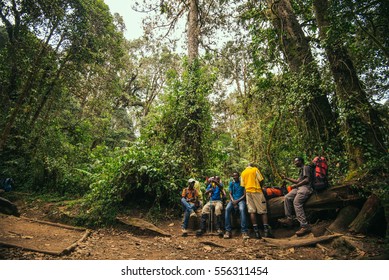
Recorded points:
(86, 113)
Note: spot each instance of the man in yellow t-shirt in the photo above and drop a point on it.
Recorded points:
(251, 179)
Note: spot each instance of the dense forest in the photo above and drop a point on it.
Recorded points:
(114, 124)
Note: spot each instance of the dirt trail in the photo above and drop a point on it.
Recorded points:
(126, 244)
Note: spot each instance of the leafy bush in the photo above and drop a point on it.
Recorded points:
(150, 176)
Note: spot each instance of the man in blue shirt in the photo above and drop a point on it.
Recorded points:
(237, 203)
(216, 193)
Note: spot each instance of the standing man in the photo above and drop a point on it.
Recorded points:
(216, 193)
(251, 179)
(237, 203)
(295, 199)
(190, 202)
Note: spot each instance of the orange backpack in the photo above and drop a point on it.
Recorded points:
(271, 192)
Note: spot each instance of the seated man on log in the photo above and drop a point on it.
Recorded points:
(295, 199)
(237, 204)
(216, 195)
(190, 202)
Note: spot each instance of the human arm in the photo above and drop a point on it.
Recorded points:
(230, 189)
(195, 198)
(236, 202)
(294, 181)
(224, 194)
(242, 197)
(297, 183)
(237, 190)
(214, 182)
(209, 190)
(231, 198)
(183, 194)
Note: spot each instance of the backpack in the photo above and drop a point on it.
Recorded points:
(271, 192)
(319, 173)
(6, 184)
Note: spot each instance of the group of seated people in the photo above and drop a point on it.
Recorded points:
(245, 195)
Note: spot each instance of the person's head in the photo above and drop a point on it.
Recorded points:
(298, 161)
(235, 176)
(191, 183)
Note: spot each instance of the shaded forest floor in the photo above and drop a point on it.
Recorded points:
(127, 243)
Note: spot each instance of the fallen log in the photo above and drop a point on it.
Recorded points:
(39, 236)
(54, 224)
(54, 253)
(72, 247)
(141, 224)
(299, 242)
(332, 198)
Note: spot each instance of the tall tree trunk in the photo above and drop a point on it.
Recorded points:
(295, 46)
(193, 30)
(362, 123)
(193, 135)
(25, 92)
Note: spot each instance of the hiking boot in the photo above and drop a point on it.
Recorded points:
(219, 232)
(200, 232)
(257, 234)
(184, 232)
(286, 222)
(245, 235)
(268, 232)
(227, 235)
(303, 231)
(193, 214)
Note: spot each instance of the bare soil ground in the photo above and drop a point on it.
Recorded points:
(125, 243)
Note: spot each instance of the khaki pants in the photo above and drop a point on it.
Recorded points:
(256, 203)
(218, 207)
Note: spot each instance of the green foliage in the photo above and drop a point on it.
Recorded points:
(58, 76)
(183, 120)
(124, 124)
(175, 145)
(150, 176)
(360, 26)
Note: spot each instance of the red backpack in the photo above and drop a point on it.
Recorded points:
(319, 173)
